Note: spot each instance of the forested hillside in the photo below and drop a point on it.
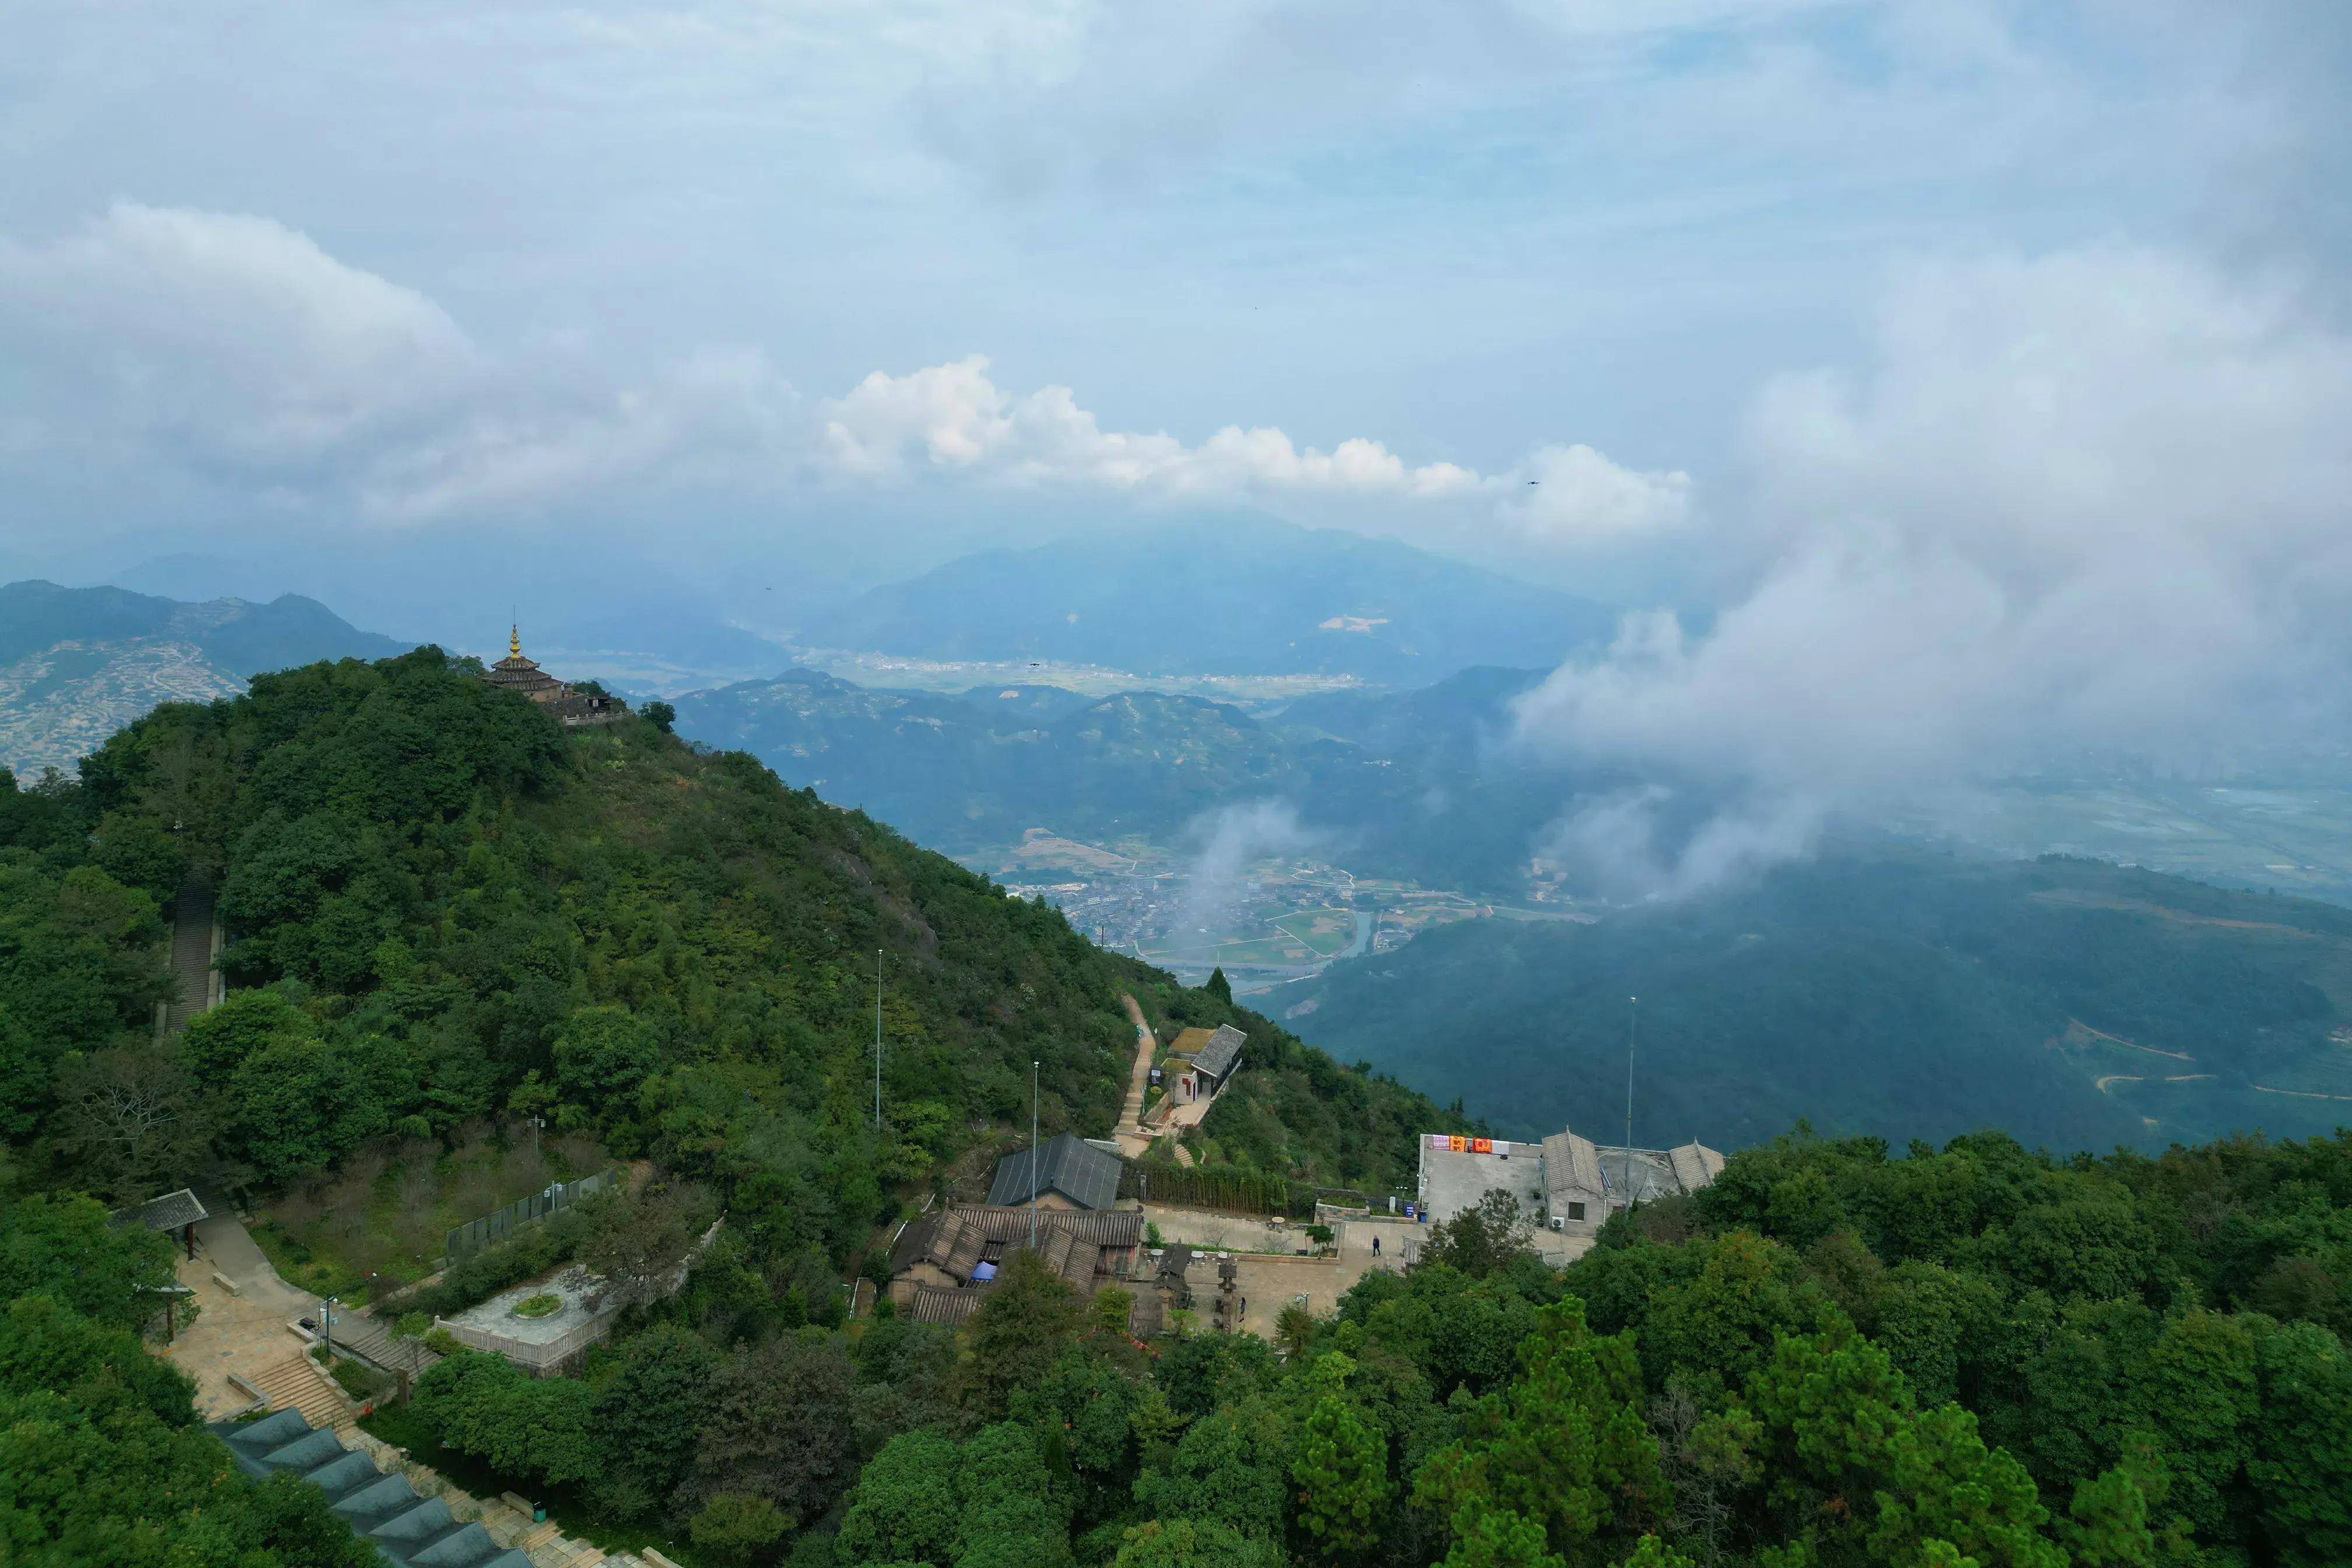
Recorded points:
(447, 913)
(2073, 1003)
(1415, 784)
(442, 907)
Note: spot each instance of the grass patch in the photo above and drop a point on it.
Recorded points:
(545, 1304)
(302, 1267)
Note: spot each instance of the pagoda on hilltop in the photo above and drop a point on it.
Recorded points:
(524, 678)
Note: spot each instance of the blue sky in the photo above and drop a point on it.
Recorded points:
(1817, 315)
(1463, 231)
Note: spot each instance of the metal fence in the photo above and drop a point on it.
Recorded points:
(477, 1234)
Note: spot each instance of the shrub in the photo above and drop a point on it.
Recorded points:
(738, 1529)
(361, 1381)
(495, 1269)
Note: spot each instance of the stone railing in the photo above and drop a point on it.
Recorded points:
(539, 1359)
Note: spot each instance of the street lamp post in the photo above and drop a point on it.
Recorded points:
(1033, 1156)
(1633, 1027)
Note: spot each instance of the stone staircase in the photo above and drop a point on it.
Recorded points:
(192, 955)
(297, 1383)
(370, 1339)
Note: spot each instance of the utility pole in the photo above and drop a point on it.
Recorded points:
(877, 1039)
(1633, 1028)
(1033, 1156)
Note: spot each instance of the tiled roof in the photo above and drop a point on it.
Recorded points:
(914, 1243)
(931, 1304)
(1064, 1255)
(1068, 1165)
(169, 1211)
(1572, 1169)
(964, 1251)
(1696, 1166)
(1104, 1227)
(1216, 1059)
(1075, 1243)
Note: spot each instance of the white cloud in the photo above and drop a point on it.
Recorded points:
(2095, 504)
(234, 332)
(952, 419)
(236, 349)
(234, 346)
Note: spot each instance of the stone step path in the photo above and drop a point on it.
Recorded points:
(192, 954)
(371, 1339)
(299, 1383)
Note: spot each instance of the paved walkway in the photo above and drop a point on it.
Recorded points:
(1130, 1134)
(248, 1330)
(1270, 1284)
(242, 1326)
(221, 1238)
(243, 1334)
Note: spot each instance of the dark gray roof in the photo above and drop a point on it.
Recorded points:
(1216, 1058)
(932, 1305)
(407, 1531)
(914, 1242)
(1068, 1165)
(169, 1211)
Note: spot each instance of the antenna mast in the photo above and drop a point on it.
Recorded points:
(1633, 1028)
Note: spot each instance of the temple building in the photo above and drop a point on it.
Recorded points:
(523, 676)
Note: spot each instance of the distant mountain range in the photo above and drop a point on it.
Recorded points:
(77, 664)
(1260, 597)
(1903, 994)
(1405, 783)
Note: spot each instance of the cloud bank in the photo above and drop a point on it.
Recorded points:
(233, 348)
(2096, 505)
(952, 419)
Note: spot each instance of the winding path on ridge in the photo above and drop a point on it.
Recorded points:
(1129, 1133)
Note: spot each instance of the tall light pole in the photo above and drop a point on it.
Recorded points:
(877, 1039)
(1033, 1156)
(1633, 1028)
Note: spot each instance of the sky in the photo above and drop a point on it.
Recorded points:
(1941, 353)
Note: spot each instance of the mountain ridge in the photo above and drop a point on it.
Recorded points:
(1220, 599)
(1884, 992)
(78, 663)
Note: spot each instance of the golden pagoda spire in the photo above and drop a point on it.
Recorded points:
(514, 640)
